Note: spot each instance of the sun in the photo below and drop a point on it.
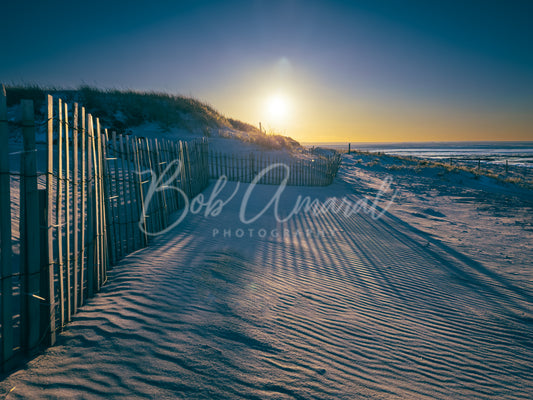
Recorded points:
(278, 108)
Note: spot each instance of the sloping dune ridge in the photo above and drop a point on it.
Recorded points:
(317, 307)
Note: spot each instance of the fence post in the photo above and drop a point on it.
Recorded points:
(30, 270)
(5, 241)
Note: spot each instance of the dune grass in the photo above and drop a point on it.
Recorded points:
(120, 110)
(516, 175)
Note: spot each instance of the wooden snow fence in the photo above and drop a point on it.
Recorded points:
(272, 170)
(78, 216)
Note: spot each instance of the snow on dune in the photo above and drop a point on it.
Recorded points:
(317, 307)
(488, 220)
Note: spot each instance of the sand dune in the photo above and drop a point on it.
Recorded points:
(350, 307)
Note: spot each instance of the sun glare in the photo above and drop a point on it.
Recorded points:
(278, 108)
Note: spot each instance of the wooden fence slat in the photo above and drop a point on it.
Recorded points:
(102, 274)
(98, 207)
(44, 293)
(218, 171)
(5, 239)
(153, 204)
(84, 220)
(124, 183)
(171, 194)
(67, 214)
(50, 295)
(226, 166)
(119, 197)
(143, 164)
(241, 172)
(176, 183)
(158, 194)
(140, 192)
(110, 225)
(59, 213)
(161, 218)
(213, 159)
(180, 149)
(90, 208)
(30, 293)
(183, 176)
(220, 164)
(212, 164)
(75, 211)
(169, 159)
(132, 196)
(205, 163)
(233, 175)
(192, 168)
(251, 167)
(188, 166)
(105, 204)
(174, 155)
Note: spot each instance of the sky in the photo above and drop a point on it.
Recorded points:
(330, 71)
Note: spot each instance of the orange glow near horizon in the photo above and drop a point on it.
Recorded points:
(307, 110)
(312, 120)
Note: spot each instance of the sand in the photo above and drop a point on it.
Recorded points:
(325, 306)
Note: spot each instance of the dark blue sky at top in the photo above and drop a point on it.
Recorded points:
(474, 52)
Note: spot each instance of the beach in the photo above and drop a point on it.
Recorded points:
(410, 284)
(276, 200)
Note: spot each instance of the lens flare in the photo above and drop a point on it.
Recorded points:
(278, 108)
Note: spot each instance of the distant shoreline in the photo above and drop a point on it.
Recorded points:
(519, 153)
(428, 143)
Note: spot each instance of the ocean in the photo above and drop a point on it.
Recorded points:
(514, 153)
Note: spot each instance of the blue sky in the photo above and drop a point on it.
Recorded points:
(358, 70)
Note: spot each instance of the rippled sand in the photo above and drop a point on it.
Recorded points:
(364, 310)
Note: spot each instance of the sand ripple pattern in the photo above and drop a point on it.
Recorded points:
(365, 311)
